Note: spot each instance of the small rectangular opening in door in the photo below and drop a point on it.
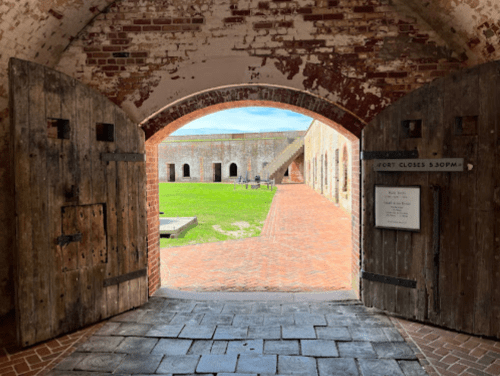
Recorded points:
(58, 128)
(105, 132)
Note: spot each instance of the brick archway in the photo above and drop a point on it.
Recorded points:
(175, 115)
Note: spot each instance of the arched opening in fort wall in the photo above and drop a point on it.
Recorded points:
(181, 112)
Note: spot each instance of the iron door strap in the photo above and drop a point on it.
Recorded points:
(389, 280)
(123, 157)
(398, 154)
(66, 239)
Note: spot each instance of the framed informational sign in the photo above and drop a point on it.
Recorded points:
(397, 207)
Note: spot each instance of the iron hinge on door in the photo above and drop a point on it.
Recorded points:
(389, 280)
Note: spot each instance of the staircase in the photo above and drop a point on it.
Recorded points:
(276, 169)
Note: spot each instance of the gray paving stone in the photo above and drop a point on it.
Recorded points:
(154, 304)
(325, 308)
(393, 335)
(178, 364)
(237, 374)
(368, 334)
(278, 320)
(352, 309)
(288, 309)
(172, 346)
(101, 344)
(108, 329)
(337, 367)
(237, 308)
(310, 319)
(136, 345)
(187, 318)
(217, 363)
(282, 347)
(167, 331)
(298, 332)
(98, 362)
(297, 364)
(412, 368)
(247, 320)
(157, 318)
(257, 364)
(266, 308)
(71, 361)
(219, 347)
(374, 318)
(394, 350)
(231, 332)
(254, 346)
(130, 316)
(139, 363)
(129, 329)
(356, 350)
(185, 306)
(319, 348)
(264, 332)
(215, 319)
(337, 333)
(200, 347)
(208, 307)
(341, 320)
(379, 367)
(197, 331)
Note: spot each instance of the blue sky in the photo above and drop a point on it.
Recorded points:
(246, 120)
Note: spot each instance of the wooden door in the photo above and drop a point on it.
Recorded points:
(80, 194)
(446, 273)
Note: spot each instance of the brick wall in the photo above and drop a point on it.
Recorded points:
(240, 149)
(153, 207)
(295, 171)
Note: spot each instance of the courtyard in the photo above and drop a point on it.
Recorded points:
(305, 246)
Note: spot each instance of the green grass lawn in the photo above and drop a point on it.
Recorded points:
(223, 213)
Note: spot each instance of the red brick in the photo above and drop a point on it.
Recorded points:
(142, 21)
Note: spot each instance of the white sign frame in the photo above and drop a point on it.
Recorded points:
(397, 207)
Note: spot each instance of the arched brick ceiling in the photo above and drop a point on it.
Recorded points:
(470, 27)
(41, 30)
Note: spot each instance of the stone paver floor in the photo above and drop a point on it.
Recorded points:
(305, 245)
(187, 337)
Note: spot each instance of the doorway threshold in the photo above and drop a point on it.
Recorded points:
(337, 295)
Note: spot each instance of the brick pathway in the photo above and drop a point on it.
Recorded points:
(447, 353)
(305, 246)
(39, 359)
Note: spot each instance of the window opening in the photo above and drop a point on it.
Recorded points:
(233, 170)
(326, 169)
(345, 157)
(286, 172)
(187, 172)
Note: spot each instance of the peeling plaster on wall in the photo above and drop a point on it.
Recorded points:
(336, 55)
(469, 27)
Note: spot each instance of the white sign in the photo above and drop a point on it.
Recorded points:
(397, 207)
(443, 164)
